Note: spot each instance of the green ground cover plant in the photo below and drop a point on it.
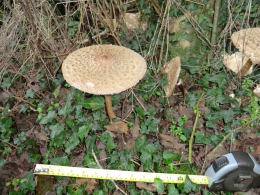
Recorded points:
(45, 120)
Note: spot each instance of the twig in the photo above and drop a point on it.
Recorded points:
(9, 144)
(196, 110)
(117, 187)
(215, 23)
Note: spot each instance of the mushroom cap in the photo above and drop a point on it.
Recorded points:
(172, 69)
(103, 69)
(236, 62)
(248, 42)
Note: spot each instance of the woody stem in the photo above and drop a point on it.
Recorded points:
(110, 111)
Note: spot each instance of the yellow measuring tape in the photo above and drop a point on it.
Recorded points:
(135, 176)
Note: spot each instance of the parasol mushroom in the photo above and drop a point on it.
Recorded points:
(247, 41)
(172, 69)
(104, 70)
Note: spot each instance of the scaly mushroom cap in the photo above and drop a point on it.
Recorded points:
(103, 69)
(248, 42)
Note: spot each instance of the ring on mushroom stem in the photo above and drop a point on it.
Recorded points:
(104, 70)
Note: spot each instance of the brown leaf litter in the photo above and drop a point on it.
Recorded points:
(118, 127)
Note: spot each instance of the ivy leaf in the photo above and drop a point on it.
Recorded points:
(172, 190)
(94, 103)
(149, 125)
(2, 163)
(159, 185)
(220, 79)
(33, 156)
(146, 159)
(228, 115)
(71, 143)
(62, 161)
(139, 143)
(83, 131)
(67, 107)
(192, 99)
(29, 94)
(108, 140)
(188, 186)
(169, 157)
(27, 184)
(56, 130)
(89, 161)
(48, 118)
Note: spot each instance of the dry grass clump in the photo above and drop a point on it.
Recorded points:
(36, 36)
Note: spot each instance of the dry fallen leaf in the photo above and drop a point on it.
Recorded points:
(136, 128)
(92, 184)
(149, 187)
(172, 142)
(119, 127)
(172, 70)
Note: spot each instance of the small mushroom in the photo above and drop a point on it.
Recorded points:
(248, 42)
(104, 70)
(172, 70)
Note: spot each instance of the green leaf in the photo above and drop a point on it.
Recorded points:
(192, 98)
(67, 107)
(94, 103)
(6, 82)
(159, 185)
(89, 161)
(29, 94)
(71, 143)
(48, 118)
(2, 163)
(27, 184)
(149, 125)
(99, 116)
(62, 161)
(6, 128)
(108, 140)
(139, 143)
(172, 190)
(169, 157)
(83, 130)
(220, 79)
(56, 130)
(98, 192)
(33, 156)
(115, 99)
(188, 186)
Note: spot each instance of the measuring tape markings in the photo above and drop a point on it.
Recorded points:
(134, 176)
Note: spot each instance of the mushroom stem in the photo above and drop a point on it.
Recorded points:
(245, 68)
(110, 111)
